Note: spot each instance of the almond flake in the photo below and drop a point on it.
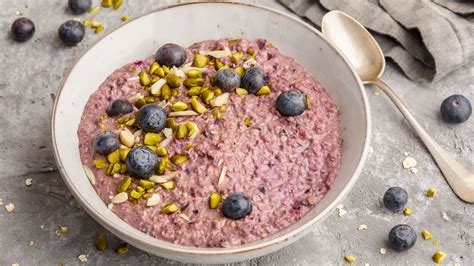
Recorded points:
(127, 138)
(414, 170)
(138, 133)
(120, 198)
(164, 143)
(409, 162)
(445, 216)
(383, 251)
(133, 78)
(222, 176)
(83, 258)
(15, 264)
(220, 100)
(186, 69)
(185, 217)
(167, 132)
(163, 178)
(249, 63)
(362, 227)
(163, 104)
(182, 113)
(29, 182)
(217, 54)
(89, 174)
(177, 72)
(31, 243)
(153, 200)
(9, 207)
(110, 206)
(340, 210)
(156, 87)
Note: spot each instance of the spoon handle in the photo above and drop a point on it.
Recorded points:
(459, 178)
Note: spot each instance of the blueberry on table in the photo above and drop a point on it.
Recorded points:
(106, 142)
(79, 6)
(151, 118)
(395, 199)
(456, 109)
(226, 79)
(23, 29)
(291, 103)
(253, 79)
(141, 162)
(119, 107)
(236, 206)
(71, 32)
(402, 237)
(171, 55)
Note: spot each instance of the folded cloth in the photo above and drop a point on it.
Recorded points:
(427, 39)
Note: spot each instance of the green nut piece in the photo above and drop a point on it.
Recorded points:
(165, 92)
(122, 249)
(171, 123)
(193, 129)
(130, 123)
(219, 64)
(439, 256)
(114, 157)
(431, 192)
(179, 158)
(124, 185)
(307, 102)
(240, 71)
(217, 91)
(153, 67)
(166, 70)
(265, 90)
(149, 99)
(123, 154)
(116, 169)
(194, 82)
(248, 121)
(123, 168)
(250, 51)
(100, 164)
(144, 78)
(240, 91)
(162, 165)
(169, 185)
(235, 58)
(214, 200)
(121, 120)
(101, 242)
(216, 113)
(194, 91)
(162, 152)
(193, 73)
(151, 138)
(179, 106)
(109, 169)
(140, 189)
(117, 4)
(198, 106)
(152, 147)
(207, 96)
(174, 92)
(182, 131)
(139, 103)
(160, 72)
(135, 194)
(223, 108)
(147, 184)
(200, 60)
(170, 208)
(154, 80)
(173, 81)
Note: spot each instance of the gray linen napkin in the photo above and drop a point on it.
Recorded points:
(427, 39)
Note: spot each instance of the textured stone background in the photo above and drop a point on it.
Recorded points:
(30, 74)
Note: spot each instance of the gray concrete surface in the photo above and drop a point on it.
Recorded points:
(31, 72)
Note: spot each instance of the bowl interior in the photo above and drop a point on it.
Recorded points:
(184, 25)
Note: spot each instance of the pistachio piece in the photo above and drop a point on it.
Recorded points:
(178, 158)
(265, 90)
(439, 256)
(194, 82)
(431, 192)
(162, 152)
(214, 200)
(169, 185)
(127, 138)
(123, 168)
(152, 138)
(179, 106)
(139, 103)
(87, 22)
(153, 200)
(198, 106)
(94, 10)
(240, 91)
(114, 157)
(144, 78)
(407, 211)
(240, 71)
(162, 165)
(216, 113)
(217, 91)
(130, 122)
(220, 100)
(117, 4)
(207, 96)
(426, 235)
(182, 131)
(248, 121)
(165, 92)
(170, 123)
(124, 185)
(250, 51)
(149, 99)
(147, 184)
(194, 91)
(123, 154)
(166, 70)
(109, 169)
(235, 58)
(193, 73)
(120, 198)
(193, 129)
(350, 259)
(101, 242)
(140, 190)
(106, 3)
(121, 249)
(153, 67)
(135, 194)
(200, 60)
(219, 64)
(121, 120)
(223, 108)
(174, 81)
(100, 164)
(174, 92)
(160, 72)
(116, 168)
(307, 102)
(170, 208)
(183, 113)
(125, 18)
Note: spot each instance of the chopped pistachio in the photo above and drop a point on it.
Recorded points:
(171, 123)
(153, 148)
(170, 208)
(248, 121)
(220, 100)
(200, 60)
(135, 194)
(198, 106)
(169, 185)
(174, 81)
(121, 120)
(216, 113)
(160, 72)
(123, 168)
(350, 259)
(265, 90)
(99, 29)
(121, 249)
(240, 91)
(149, 99)
(407, 211)
(147, 184)
(179, 106)
(193, 129)
(217, 91)
(124, 185)
(117, 4)
(431, 192)
(161, 152)
(87, 22)
(214, 200)
(152, 138)
(307, 102)
(166, 70)
(165, 92)
(94, 10)
(207, 96)
(106, 3)
(162, 165)
(250, 51)
(101, 242)
(193, 73)
(116, 168)
(235, 58)
(140, 189)
(439, 256)
(240, 71)
(144, 78)
(223, 108)
(194, 82)
(103, 127)
(100, 164)
(114, 157)
(182, 131)
(178, 158)
(109, 169)
(194, 91)
(125, 18)
(123, 154)
(140, 102)
(426, 235)
(219, 64)
(174, 92)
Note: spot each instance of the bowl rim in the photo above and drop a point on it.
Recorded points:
(101, 219)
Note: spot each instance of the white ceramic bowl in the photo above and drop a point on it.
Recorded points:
(139, 38)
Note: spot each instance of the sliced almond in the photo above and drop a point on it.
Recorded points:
(186, 69)
(153, 200)
(218, 54)
(249, 63)
(183, 113)
(127, 138)
(133, 78)
(120, 198)
(156, 87)
(167, 132)
(138, 133)
(163, 178)
(222, 176)
(89, 174)
(177, 72)
(163, 104)
(220, 100)
(185, 217)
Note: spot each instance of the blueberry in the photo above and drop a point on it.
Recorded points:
(106, 143)
(119, 107)
(402, 237)
(151, 118)
(71, 32)
(141, 162)
(226, 79)
(80, 6)
(253, 79)
(23, 29)
(236, 206)
(291, 103)
(456, 109)
(170, 55)
(395, 199)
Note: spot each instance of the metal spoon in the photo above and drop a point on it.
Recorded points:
(365, 55)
